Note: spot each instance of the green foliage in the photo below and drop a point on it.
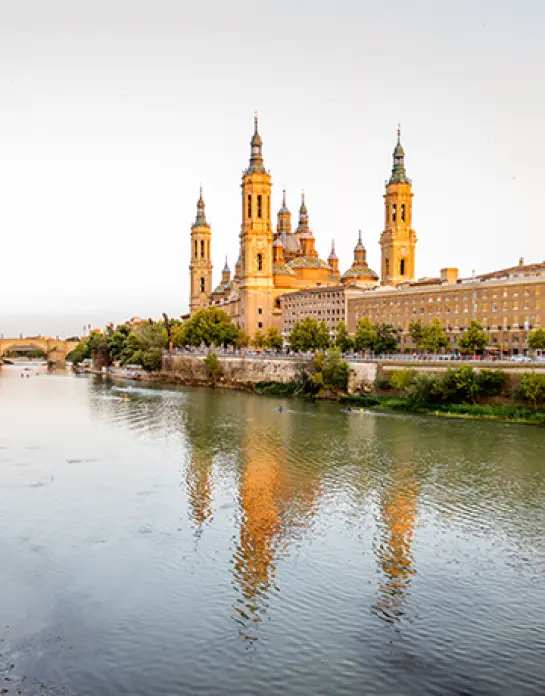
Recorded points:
(474, 339)
(117, 341)
(343, 341)
(425, 389)
(383, 384)
(242, 340)
(491, 382)
(366, 336)
(532, 387)
(416, 332)
(402, 379)
(377, 338)
(151, 359)
(210, 326)
(331, 372)
(273, 340)
(433, 338)
(213, 367)
(276, 388)
(258, 341)
(309, 335)
(456, 385)
(536, 340)
(79, 354)
(386, 339)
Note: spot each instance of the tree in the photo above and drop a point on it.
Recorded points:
(343, 341)
(79, 354)
(273, 339)
(386, 339)
(97, 345)
(309, 335)
(434, 337)
(366, 335)
(210, 326)
(331, 372)
(416, 332)
(151, 359)
(117, 340)
(213, 367)
(536, 340)
(258, 341)
(532, 386)
(242, 340)
(474, 339)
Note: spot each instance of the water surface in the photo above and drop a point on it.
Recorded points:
(201, 542)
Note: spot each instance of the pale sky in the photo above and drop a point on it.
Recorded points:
(112, 113)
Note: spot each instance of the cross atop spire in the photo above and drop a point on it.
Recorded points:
(399, 175)
(201, 216)
(256, 151)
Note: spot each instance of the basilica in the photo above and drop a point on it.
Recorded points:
(274, 262)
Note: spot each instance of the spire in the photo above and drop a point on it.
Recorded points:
(256, 152)
(332, 254)
(201, 217)
(360, 254)
(303, 227)
(332, 259)
(226, 273)
(284, 217)
(399, 175)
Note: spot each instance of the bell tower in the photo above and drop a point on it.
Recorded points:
(200, 268)
(256, 242)
(398, 240)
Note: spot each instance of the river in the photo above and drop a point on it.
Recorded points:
(171, 541)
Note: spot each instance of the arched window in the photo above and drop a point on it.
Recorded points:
(387, 267)
(196, 249)
(402, 267)
(202, 248)
(259, 207)
(202, 284)
(403, 212)
(260, 262)
(394, 212)
(249, 206)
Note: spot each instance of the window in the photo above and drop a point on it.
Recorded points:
(394, 212)
(260, 262)
(260, 310)
(259, 324)
(249, 206)
(196, 249)
(202, 284)
(202, 249)
(403, 212)
(387, 267)
(259, 207)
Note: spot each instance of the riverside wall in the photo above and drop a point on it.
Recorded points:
(247, 372)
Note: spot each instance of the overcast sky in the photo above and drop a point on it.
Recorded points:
(112, 113)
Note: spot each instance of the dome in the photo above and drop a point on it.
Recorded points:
(360, 272)
(290, 242)
(306, 262)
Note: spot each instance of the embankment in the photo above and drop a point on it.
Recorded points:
(247, 372)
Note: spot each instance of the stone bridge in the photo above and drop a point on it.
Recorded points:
(55, 350)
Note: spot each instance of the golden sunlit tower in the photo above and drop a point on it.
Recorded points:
(398, 240)
(333, 259)
(200, 268)
(256, 240)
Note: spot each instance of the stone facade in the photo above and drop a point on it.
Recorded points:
(327, 304)
(508, 303)
(272, 263)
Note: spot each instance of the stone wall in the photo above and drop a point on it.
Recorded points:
(245, 373)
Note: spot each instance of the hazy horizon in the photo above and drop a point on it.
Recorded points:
(113, 113)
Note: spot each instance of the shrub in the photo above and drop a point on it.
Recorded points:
(532, 387)
(383, 384)
(151, 359)
(424, 390)
(491, 382)
(213, 367)
(402, 379)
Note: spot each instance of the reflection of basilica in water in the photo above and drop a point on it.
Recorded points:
(278, 497)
